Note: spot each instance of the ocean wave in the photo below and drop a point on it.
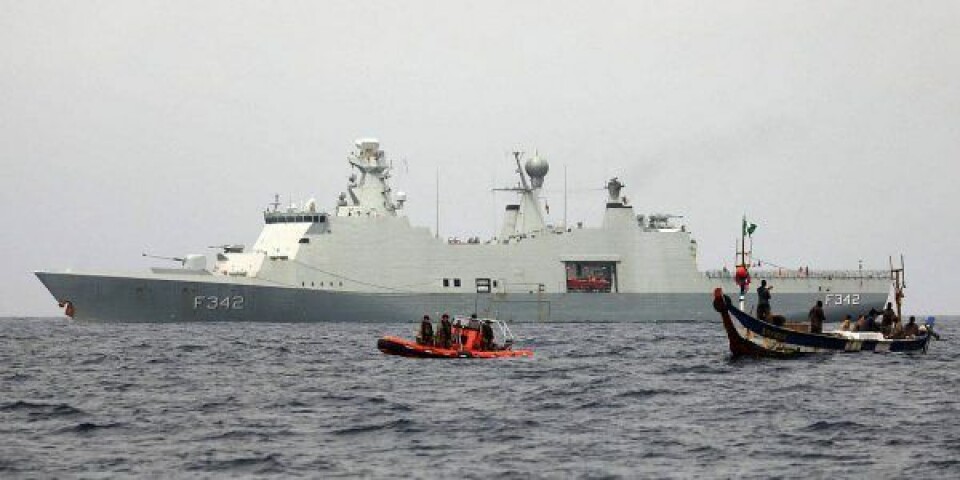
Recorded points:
(262, 464)
(841, 425)
(242, 434)
(37, 410)
(95, 360)
(643, 393)
(190, 348)
(89, 427)
(218, 404)
(626, 405)
(400, 425)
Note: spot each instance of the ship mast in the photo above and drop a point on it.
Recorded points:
(370, 194)
(525, 218)
(742, 271)
(899, 283)
(523, 178)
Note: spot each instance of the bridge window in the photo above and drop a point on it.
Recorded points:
(446, 282)
(271, 218)
(304, 240)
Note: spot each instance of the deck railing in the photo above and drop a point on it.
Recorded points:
(804, 274)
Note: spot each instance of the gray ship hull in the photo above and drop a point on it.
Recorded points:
(111, 298)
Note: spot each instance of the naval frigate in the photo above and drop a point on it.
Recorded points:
(363, 261)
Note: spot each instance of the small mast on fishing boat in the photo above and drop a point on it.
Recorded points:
(743, 259)
(899, 283)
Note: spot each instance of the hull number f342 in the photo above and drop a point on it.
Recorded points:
(213, 302)
(841, 299)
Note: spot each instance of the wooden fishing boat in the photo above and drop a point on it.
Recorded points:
(466, 341)
(750, 336)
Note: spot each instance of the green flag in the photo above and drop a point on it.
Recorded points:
(748, 228)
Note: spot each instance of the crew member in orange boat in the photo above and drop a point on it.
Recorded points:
(426, 331)
(486, 333)
(443, 335)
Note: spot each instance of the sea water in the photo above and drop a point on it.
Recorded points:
(597, 401)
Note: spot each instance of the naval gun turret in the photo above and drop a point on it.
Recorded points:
(193, 262)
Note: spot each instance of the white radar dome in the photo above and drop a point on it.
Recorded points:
(537, 167)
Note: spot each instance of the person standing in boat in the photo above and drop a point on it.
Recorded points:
(889, 318)
(763, 305)
(443, 339)
(486, 335)
(817, 318)
(426, 331)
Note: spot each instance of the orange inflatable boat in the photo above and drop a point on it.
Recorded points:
(466, 340)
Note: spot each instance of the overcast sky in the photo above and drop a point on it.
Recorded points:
(168, 126)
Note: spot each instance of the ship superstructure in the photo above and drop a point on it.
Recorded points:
(364, 261)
